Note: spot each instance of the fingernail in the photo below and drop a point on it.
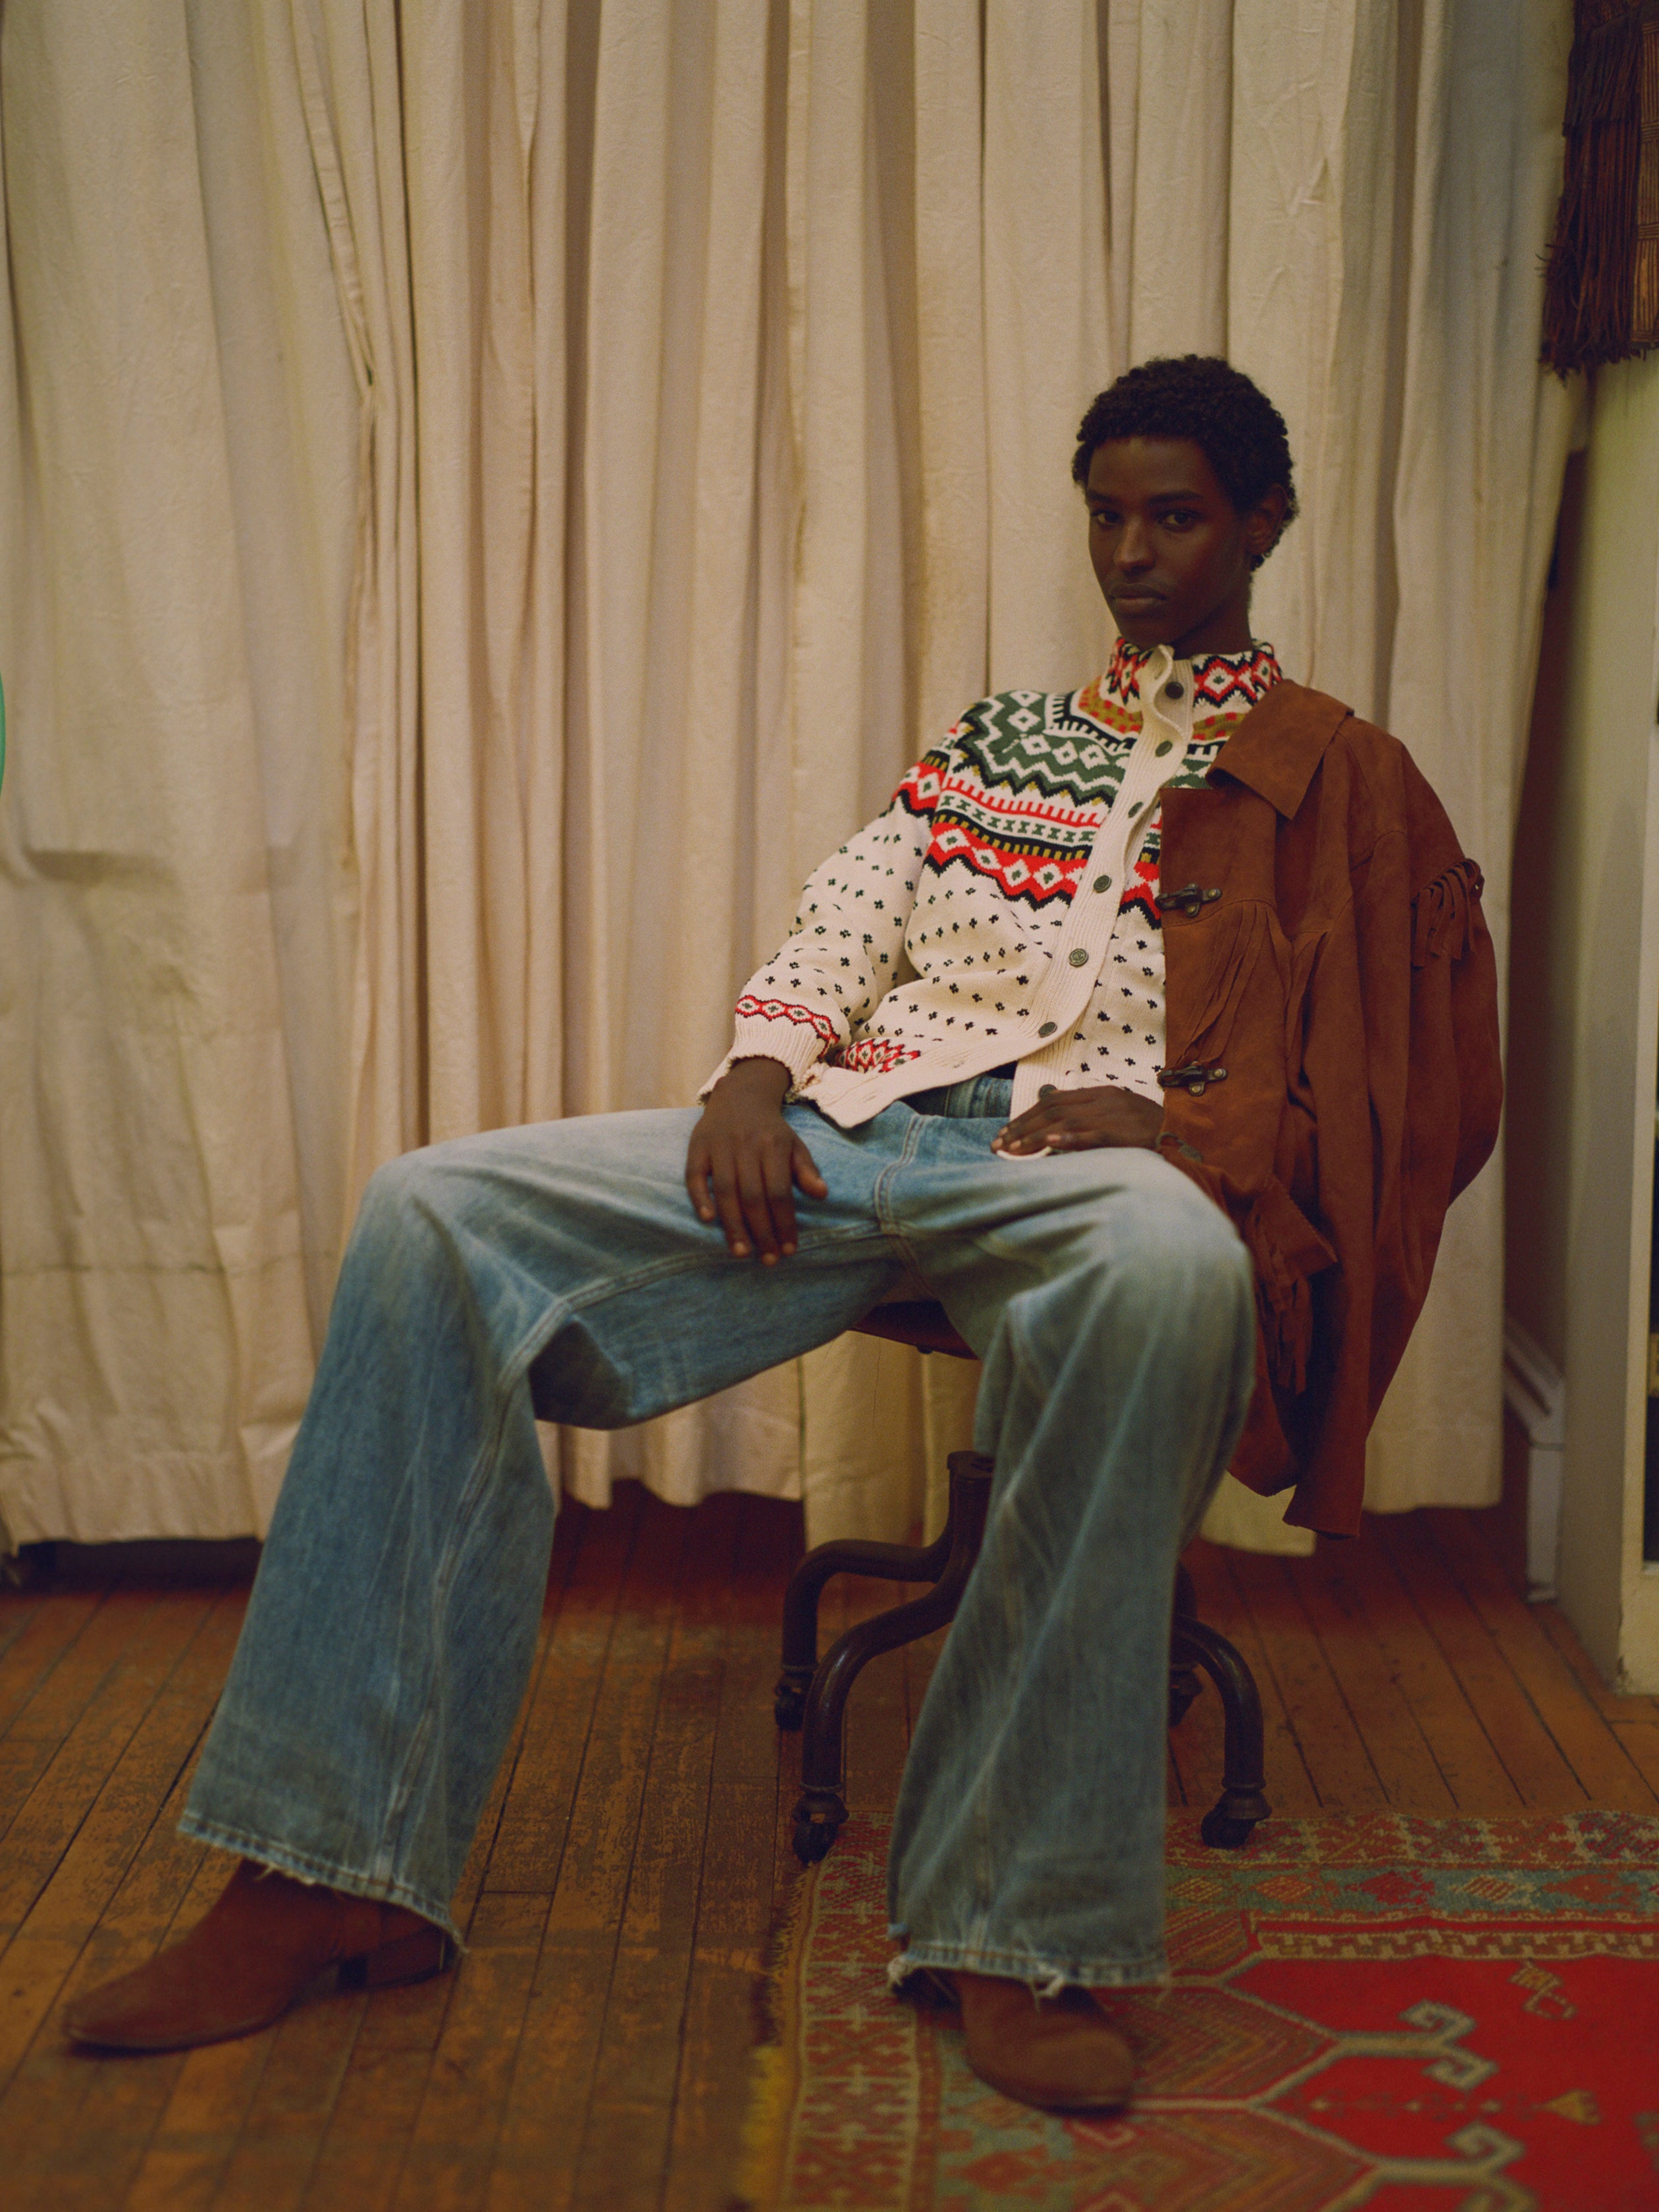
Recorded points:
(789, 1251)
(768, 1258)
(740, 1251)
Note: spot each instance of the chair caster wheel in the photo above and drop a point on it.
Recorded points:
(812, 1840)
(1223, 1834)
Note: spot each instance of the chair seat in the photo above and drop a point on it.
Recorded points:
(921, 1322)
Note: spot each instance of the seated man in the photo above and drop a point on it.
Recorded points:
(1152, 1028)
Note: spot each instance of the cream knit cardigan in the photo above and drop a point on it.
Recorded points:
(1005, 907)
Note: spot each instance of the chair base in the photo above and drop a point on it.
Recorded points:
(811, 1692)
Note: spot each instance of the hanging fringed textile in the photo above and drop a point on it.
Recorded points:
(1602, 300)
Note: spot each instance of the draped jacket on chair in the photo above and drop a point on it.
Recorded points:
(1332, 1068)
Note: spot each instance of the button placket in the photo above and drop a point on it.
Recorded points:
(1078, 951)
(1165, 731)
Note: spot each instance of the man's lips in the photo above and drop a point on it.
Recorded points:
(1134, 596)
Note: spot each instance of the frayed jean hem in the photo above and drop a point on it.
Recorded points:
(280, 1859)
(1043, 1977)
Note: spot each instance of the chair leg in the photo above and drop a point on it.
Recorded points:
(821, 1807)
(893, 1563)
(1228, 1823)
(812, 1694)
(1183, 1684)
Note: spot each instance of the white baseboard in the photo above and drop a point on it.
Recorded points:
(1535, 1392)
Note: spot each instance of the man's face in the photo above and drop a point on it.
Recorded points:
(1170, 551)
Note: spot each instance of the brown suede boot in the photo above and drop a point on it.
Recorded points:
(1061, 2053)
(249, 1957)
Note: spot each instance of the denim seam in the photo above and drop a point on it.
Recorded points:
(1024, 1362)
(401, 1796)
(661, 1271)
(880, 1206)
(983, 1847)
(513, 1369)
(1024, 1359)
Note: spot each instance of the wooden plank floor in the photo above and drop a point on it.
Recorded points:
(592, 2049)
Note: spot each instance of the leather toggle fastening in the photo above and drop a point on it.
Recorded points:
(1188, 900)
(1192, 1078)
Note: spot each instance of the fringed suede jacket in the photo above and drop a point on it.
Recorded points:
(1345, 980)
(1199, 881)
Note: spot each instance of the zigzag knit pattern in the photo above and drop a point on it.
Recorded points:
(1017, 790)
(932, 927)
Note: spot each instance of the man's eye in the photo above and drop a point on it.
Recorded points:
(1178, 517)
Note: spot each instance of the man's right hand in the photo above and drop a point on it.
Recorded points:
(745, 1161)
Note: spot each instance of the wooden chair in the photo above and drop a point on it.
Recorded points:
(812, 1692)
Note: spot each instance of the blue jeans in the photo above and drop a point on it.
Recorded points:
(559, 1270)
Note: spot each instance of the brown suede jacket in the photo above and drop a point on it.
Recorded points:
(1333, 1077)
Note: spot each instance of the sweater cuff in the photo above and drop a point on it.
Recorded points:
(796, 1038)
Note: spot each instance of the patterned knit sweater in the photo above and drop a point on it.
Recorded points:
(1005, 908)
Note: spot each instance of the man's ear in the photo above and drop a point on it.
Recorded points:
(1264, 522)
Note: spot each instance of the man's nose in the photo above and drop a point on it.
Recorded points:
(1134, 546)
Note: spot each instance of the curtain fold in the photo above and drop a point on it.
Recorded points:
(1045, 338)
(1482, 446)
(179, 514)
(492, 495)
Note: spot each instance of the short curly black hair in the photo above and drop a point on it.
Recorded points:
(1202, 398)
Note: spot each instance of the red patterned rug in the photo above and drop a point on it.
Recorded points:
(1417, 2015)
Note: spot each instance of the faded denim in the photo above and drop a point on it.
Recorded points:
(559, 1270)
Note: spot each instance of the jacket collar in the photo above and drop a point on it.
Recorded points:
(1277, 746)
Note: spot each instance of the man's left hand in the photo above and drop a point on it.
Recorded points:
(1082, 1121)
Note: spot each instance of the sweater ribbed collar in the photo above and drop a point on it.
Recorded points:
(1222, 682)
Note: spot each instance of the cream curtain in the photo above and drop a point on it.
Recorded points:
(492, 495)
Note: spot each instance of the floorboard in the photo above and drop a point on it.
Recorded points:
(593, 2049)
(1574, 1706)
(1318, 1714)
(1477, 1671)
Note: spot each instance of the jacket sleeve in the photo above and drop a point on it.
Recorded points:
(1448, 925)
(845, 947)
(1440, 1109)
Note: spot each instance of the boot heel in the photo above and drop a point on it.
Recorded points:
(415, 1958)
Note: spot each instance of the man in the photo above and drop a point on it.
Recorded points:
(1152, 1028)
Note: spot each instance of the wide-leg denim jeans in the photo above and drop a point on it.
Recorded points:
(559, 1270)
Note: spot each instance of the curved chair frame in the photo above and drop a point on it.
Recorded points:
(812, 1691)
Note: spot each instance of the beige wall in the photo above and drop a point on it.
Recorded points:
(1583, 1002)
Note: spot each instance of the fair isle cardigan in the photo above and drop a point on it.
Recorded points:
(1006, 907)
